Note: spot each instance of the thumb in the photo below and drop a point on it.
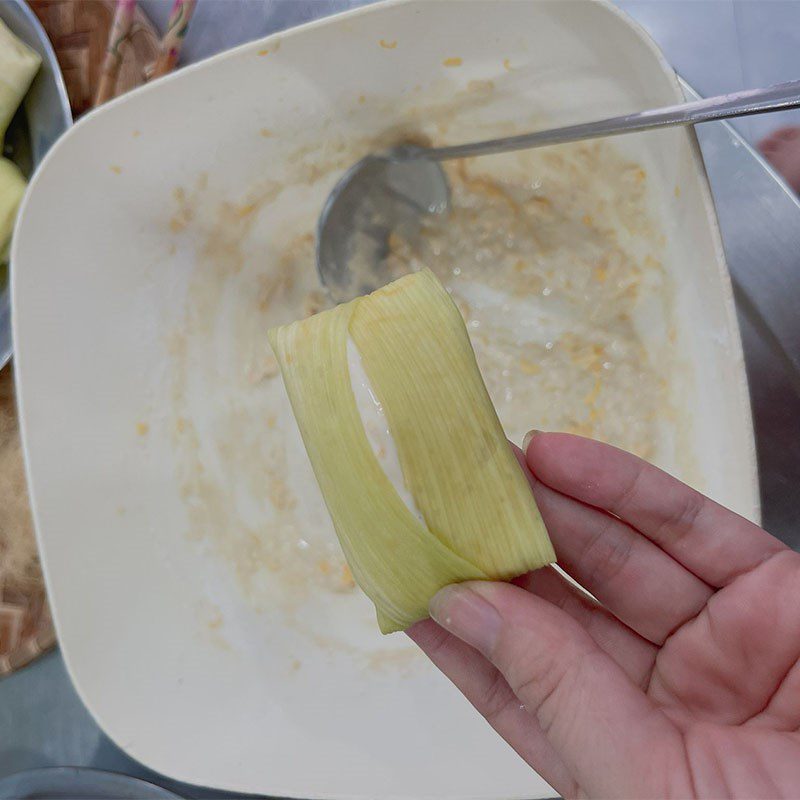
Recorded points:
(609, 735)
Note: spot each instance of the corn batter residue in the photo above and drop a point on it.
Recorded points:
(546, 271)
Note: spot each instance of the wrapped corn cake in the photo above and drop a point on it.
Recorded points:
(419, 479)
(18, 66)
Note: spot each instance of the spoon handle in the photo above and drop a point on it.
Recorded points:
(780, 97)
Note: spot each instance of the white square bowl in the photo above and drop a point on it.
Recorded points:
(181, 668)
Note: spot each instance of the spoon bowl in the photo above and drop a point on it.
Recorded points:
(378, 197)
(388, 194)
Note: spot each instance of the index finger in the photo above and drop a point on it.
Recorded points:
(708, 539)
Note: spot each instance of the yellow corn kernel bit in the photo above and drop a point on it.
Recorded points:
(529, 367)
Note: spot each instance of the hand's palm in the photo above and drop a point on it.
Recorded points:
(685, 681)
(730, 681)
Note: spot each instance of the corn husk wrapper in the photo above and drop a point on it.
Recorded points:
(480, 520)
(12, 188)
(18, 65)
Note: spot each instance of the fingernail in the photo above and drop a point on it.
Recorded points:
(462, 611)
(527, 440)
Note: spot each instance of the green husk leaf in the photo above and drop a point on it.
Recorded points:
(455, 457)
(18, 65)
(12, 188)
(480, 519)
(393, 557)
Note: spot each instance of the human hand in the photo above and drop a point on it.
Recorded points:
(682, 681)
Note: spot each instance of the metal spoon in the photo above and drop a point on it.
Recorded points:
(389, 193)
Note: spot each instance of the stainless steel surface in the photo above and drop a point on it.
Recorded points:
(42, 720)
(759, 218)
(45, 115)
(79, 783)
(381, 194)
